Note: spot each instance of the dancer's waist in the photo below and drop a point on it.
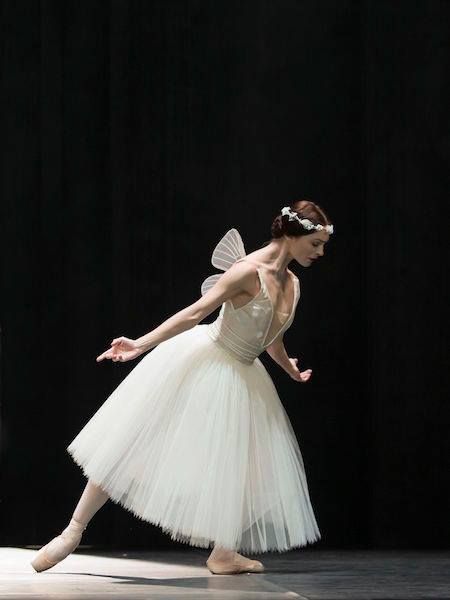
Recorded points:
(230, 341)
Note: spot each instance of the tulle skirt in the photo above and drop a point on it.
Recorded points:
(198, 443)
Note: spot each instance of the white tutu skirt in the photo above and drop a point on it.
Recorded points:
(198, 443)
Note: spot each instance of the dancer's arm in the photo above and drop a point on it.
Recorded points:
(238, 278)
(278, 353)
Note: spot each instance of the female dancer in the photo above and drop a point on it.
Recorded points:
(195, 438)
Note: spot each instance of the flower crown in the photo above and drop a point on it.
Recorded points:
(306, 223)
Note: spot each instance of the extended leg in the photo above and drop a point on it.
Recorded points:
(92, 499)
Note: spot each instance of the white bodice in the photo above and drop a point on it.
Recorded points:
(248, 330)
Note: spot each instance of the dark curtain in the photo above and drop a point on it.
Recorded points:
(134, 135)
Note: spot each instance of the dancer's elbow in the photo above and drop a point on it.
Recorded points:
(198, 312)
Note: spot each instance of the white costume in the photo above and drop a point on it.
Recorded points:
(195, 438)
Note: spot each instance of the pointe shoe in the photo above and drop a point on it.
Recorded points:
(59, 547)
(239, 564)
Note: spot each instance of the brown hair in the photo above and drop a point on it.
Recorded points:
(305, 209)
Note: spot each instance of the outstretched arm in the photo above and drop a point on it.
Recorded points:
(277, 352)
(238, 278)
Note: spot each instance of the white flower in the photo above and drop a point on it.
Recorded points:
(306, 223)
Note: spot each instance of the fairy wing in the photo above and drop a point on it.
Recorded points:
(229, 249)
(210, 282)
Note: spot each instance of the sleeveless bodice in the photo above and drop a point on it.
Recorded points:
(246, 331)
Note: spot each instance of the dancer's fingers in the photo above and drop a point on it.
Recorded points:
(106, 354)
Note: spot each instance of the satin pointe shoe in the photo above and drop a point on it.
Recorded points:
(59, 547)
(239, 564)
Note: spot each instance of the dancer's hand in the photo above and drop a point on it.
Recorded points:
(302, 376)
(122, 349)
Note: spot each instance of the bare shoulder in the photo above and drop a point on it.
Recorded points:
(239, 277)
(244, 271)
(244, 267)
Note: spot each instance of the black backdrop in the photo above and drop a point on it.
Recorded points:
(134, 134)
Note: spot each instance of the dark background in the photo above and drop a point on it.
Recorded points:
(134, 134)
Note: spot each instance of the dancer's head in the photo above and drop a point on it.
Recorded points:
(305, 245)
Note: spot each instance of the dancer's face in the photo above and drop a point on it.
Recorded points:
(308, 248)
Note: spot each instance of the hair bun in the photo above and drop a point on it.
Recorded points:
(277, 227)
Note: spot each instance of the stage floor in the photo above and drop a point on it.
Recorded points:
(305, 574)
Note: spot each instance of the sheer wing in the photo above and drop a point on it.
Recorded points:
(210, 282)
(229, 249)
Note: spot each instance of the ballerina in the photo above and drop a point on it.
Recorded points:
(195, 439)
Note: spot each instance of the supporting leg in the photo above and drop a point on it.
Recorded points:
(228, 562)
(219, 553)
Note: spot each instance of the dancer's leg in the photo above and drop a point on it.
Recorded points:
(219, 553)
(92, 499)
(223, 561)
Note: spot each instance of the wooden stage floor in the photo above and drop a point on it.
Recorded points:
(305, 574)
